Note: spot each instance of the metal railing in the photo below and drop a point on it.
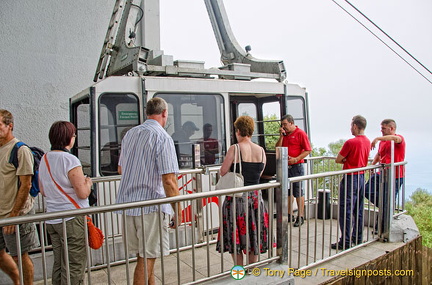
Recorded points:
(311, 243)
(299, 247)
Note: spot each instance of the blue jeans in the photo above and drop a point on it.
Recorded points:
(373, 193)
(351, 202)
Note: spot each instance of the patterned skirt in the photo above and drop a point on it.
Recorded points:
(257, 220)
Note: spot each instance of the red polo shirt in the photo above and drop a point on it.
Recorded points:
(356, 152)
(297, 142)
(384, 151)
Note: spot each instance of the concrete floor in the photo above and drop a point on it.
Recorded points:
(309, 244)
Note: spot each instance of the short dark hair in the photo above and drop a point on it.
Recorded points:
(6, 116)
(245, 125)
(289, 118)
(390, 122)
(60, 134)
(156, 106)
(360, 122)
(207, 126)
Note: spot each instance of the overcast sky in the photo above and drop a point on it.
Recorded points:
(345, 69)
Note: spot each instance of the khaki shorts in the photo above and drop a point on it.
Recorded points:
(135, 237)
(28, 238)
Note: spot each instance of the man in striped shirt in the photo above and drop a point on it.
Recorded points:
(148, 165)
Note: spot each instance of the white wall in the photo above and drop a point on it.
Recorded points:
(49, 52)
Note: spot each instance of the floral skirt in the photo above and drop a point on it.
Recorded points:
(258, 224)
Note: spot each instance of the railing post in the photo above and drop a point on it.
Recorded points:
(199, 204)
(282, 204)
(196, 156)
(390, 198)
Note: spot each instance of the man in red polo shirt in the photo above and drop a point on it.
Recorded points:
(299, 147)
(354, 154)
(383, 156)
(209, 146)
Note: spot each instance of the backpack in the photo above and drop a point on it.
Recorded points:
(37, 156)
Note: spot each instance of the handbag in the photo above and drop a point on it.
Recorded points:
(232, 179)
(92, 197)
(95, 235)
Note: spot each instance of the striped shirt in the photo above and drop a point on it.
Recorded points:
(147, 153)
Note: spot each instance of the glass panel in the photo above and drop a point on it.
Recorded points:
(295, 106)
(82, 142)
(249, 109)
(271, 114)
(117, 114)
(196, 119)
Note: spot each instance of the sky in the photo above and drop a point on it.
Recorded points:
(345, 69)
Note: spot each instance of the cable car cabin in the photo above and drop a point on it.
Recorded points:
(201, 111)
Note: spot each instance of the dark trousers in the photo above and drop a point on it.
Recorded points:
(351, 202)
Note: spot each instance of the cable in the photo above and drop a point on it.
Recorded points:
(132, 34)
(142, 14)
(388, 36)
(384, 42)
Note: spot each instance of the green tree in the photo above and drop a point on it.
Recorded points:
(320, 151)
(271, 131)
(335, 147)
(419, 206)
(325, 164)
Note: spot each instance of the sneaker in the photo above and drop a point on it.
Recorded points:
(290, 218)
(339, 246)
(299, 221)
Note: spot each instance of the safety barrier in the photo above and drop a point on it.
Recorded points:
(193, 243)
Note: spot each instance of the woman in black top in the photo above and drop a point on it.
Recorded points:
(253, 160)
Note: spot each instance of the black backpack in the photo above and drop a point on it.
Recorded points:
(37, 155)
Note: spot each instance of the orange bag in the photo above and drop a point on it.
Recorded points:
(95, 235)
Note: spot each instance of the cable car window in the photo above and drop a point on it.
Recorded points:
(196, 119)
(271, 124)
(250, 109)
(82, 149)
(117, 114)
(296, 108)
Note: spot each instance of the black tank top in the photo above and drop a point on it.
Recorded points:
(251, 171)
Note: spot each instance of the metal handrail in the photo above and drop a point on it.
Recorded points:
(167, 200)
(124, 206)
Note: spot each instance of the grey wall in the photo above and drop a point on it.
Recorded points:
(49, 52)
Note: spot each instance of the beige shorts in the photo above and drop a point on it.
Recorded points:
(151, 236)
(28, 237)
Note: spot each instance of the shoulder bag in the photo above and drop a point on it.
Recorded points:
(232, 179)
(95, 235)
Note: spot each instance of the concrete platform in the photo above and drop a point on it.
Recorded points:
(310, 244)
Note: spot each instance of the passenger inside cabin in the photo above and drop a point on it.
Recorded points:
(209, 146)
(182, 138)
